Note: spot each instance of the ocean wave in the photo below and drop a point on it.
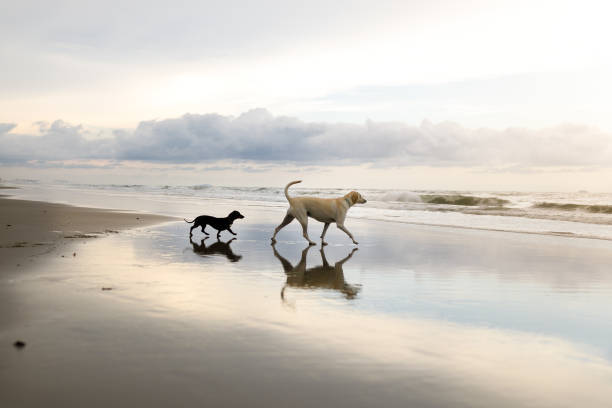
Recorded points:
(309, 192)
(603, 209)
(126, 185)
(24, 181)
(463, 200)
(564, 214)
(400, 197)
(200, 187)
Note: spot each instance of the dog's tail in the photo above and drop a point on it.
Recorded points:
(287, 188)
(190, 222)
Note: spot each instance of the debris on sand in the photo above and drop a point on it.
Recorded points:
(19, 344)
(23, 244)
(20, 244)
(107, 288)
(79, 235)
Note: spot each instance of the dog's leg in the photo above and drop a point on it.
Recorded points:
(203, 227)
(230, 230)
(325, 227)
(218, 235)
(288, 218)
(343, 228)
(304, 223)
(191, 230)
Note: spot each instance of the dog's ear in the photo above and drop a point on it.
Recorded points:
(354, 196)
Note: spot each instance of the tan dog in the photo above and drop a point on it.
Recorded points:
(325, 210)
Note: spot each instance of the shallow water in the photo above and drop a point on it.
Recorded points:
(541, 285)
(577, 214)
(420, 315)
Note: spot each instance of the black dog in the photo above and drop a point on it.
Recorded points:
(220, 224)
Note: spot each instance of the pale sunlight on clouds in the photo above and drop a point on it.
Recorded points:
(257, 147)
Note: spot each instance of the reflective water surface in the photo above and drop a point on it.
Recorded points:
(217, 247)
(323, 276)
(419, 316)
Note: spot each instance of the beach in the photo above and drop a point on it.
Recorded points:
(120, 308)
(33, 228)
(416, 200)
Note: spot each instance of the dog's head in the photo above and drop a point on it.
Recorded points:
(356, 198)
(234, 215)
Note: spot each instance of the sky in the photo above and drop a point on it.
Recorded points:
(502, 95)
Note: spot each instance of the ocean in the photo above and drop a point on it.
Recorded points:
(575, 214)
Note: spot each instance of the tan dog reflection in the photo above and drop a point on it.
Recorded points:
(326, 210)
(323, 276)
(217, 248)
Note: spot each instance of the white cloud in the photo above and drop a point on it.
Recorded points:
(6, 127)
(57, 141)
(259, 136)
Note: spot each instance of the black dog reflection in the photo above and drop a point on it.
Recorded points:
(218, 248)
(323, 276)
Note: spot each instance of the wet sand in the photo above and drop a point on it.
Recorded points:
(417, 316)
(32, 228)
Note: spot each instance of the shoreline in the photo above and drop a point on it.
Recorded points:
(181, 201)
(31, 229)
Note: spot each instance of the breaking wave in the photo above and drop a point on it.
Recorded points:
(442, 199)
(201, 187)
(602, 209)
(463, 200)
(400, 197)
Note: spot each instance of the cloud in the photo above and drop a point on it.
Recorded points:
(6, 127)
(58, 141)
(259, 136)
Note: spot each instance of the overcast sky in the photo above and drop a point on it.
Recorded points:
(496, 85)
